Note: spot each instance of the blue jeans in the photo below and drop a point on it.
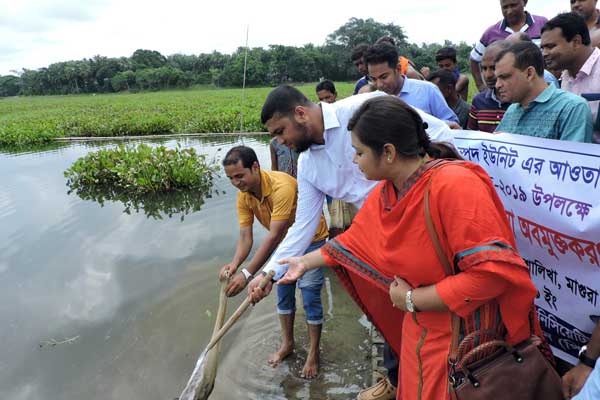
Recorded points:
(310, 285)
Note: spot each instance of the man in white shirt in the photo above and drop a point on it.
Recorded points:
(319, 132)
(325, 167)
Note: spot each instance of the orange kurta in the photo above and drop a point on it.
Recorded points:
(389, 237)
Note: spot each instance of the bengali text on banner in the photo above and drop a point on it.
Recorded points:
(551, 192)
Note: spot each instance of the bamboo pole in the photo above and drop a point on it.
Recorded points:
(209, 375)
(237, 314)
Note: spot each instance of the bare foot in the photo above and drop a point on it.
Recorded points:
(276, 358)
(311, 367)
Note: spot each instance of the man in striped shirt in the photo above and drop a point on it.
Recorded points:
(515, 19)
(486, 109)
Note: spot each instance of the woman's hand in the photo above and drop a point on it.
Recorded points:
(398, 290)
(296, 269)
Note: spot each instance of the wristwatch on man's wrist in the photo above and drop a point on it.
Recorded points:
(247, 274)
(584, 359)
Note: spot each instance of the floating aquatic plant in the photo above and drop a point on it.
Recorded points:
(155, 179)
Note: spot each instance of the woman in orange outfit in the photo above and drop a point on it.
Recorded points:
(386, 259)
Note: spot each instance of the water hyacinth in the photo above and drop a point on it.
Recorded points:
(38, 119)
(143, 169)
(156, 180)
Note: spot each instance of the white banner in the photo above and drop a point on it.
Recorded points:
(551, 192)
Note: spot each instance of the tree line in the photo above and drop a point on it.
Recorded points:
(150, 70)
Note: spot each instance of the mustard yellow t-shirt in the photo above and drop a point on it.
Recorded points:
(278, 203)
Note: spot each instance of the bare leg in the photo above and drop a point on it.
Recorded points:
(287, 343)
(311, 366)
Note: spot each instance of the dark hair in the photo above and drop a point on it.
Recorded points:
(358, 51)
(326, 85)
(571, 24)
(387, 119)
(446, 77)
(382, 53)
(443, 150)
(446, 52)
(527, 54)
(282, 100)
(240, 153)
(386, 39)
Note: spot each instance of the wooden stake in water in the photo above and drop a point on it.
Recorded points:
(194, 386)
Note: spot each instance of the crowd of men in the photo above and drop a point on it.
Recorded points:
(535, 77)
(547, 84)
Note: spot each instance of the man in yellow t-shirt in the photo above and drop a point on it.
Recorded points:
(271, 197)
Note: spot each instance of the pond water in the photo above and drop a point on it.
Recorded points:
(131, 298)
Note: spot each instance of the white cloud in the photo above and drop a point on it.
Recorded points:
(36, 33)
(93, 295)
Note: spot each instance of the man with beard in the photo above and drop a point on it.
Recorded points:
(271, 197)
(566, 47)
(325, 167)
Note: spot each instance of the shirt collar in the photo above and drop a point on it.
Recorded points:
(545, 95)
(529, 21)
(265, 185)
(586, 68)
(330, 121)
(407, 86)
(491, 94)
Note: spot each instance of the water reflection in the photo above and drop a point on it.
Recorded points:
(154, 205)
(32, 148)
(141, 295)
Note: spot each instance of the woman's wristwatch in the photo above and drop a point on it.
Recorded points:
(584, 359)
(410, 306)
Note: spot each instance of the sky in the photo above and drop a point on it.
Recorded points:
(36, 33)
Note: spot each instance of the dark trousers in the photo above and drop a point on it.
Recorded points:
(390, 362)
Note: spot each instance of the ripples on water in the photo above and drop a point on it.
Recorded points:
(140, 294)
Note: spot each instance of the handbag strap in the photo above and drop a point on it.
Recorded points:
(448, 269)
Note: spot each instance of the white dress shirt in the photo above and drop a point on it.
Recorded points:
(327, 169)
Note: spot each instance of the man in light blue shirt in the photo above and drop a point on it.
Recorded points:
(582, 382)
(538, 109)
(384, 73)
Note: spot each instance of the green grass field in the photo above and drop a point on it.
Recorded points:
(38, 119)
(28, 120)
